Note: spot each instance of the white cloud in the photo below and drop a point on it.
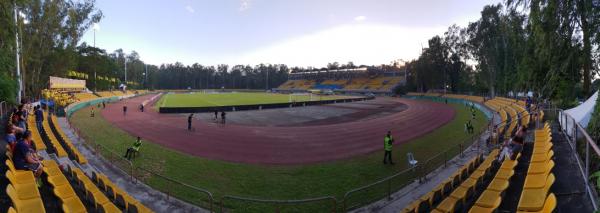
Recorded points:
(244, 5)
(361, 44)
(189, 9)
(360, 18)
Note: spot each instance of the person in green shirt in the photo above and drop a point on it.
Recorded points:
(387, 145)
(134, 149)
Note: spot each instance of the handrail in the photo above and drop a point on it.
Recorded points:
(584, 167)
(257, 200)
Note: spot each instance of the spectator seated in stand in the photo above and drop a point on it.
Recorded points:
(131, 151)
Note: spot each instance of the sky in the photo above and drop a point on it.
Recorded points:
(297, 33)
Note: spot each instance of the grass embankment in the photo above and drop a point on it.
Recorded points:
(276, 182)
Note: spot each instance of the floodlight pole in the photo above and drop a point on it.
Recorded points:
(20, 81)
(125, 64)
(95, 78)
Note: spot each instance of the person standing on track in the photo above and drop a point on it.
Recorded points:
(216, 115)
(142, 107)
(124, 110)
(92, 112)
(190, 122)
(387, 145)
(223, 117)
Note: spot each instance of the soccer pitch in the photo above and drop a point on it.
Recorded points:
(198, 99)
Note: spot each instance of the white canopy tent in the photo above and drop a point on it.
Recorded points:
(580, 114)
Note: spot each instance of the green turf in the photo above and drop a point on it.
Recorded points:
(277, 182)
(199, 99)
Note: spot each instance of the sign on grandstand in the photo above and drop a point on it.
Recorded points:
(66, 83)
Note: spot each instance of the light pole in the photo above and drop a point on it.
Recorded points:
(95, 78)
(125, 71)
(146, 77)
(20, 81)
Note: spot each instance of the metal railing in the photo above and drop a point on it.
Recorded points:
(585, 149)
(4, 110)
(279, 203)
(386, 186)
(117, 161)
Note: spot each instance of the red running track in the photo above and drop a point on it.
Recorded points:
(279, 145)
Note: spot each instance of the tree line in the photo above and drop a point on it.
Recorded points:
(546, 46)
(550, 47)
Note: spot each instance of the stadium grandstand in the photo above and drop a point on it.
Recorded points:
(491, 180)
(355, 80)
(65, 91)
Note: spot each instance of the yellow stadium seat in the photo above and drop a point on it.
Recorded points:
(97, 197)
(536, 181)
(509, 164)
(461, 193)
(29, 205)
(52, 171)
(489, 199)
(109, 208)
(447, 205)
(539, 158)
(11, 210)
(64, 191)
(549, 205)
(26, 191)
(58, 180)
(73, 204)
(504, 174)
(498, 185)
(539, 168)
(533, 199)
(20, 177)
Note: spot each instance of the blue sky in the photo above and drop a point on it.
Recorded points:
(297, 33)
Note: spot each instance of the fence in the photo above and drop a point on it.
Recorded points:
(279, 204)
(585, 148)
(386, 186)
(136, 173)
(3, 110)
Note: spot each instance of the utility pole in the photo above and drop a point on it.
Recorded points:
(267, 83)
(95, 78)
(20, 82)
(125, 70)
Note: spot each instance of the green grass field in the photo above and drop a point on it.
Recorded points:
(233, 99)
(276, 182)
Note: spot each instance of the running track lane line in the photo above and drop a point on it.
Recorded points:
(280, 145)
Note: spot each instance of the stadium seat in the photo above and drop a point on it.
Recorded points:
(539, 168)
(488, 201)
(533, 199)
(549, 205)
(73, 204)
(20, 176)
(27, 205)
(498, 185)
(447, 205)
(24, 190)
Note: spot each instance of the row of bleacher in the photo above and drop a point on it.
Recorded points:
(75, 191)
(477, 99)
(486, 194)
(64, 98)
(376, 84)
